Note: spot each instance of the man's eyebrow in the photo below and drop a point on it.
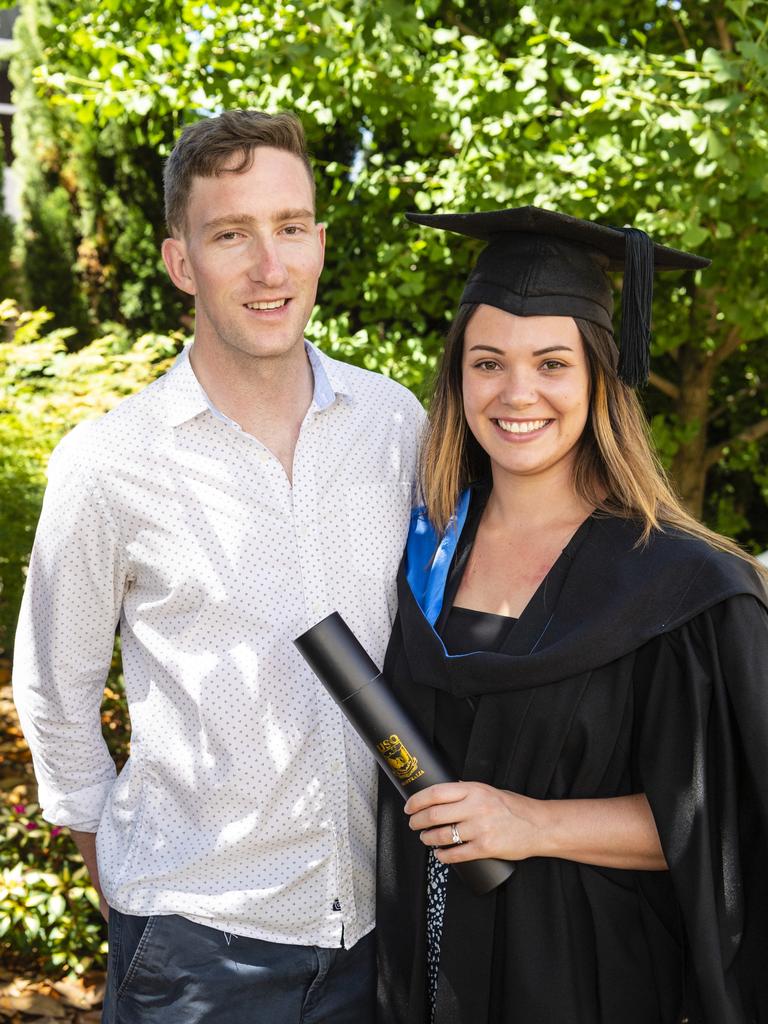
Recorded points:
(294, 213)
(299, 213)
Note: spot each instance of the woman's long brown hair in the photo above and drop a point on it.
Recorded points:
(616, 469)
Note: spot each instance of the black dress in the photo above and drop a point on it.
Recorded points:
(631, 670)
(463, 630)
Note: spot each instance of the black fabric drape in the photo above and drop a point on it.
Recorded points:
(586, 700)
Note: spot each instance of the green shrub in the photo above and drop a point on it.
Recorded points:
(8, 275)
(49, 913)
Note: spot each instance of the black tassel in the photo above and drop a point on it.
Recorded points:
(636, 301)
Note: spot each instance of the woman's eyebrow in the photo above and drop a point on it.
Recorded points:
(553, 348)
(538, 352)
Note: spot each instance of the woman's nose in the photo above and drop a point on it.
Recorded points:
(518, 389)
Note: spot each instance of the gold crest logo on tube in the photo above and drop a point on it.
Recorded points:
(401, 761)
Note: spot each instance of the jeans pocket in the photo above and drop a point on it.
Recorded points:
(131, 949)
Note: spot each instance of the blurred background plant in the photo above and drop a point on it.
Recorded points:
(42, 916)
(49, 915)
(653, 113)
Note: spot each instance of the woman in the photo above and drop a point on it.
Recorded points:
(591, 661)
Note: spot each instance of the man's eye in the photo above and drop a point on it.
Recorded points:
(227, 236)
(292, 229)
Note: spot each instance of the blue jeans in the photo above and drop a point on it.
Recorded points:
(168, 970)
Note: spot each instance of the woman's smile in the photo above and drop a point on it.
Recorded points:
(521, 429)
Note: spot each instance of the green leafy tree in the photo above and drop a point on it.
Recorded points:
(8, 277)
(48, 232)
(651, 113)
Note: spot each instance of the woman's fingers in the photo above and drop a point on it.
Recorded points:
(434, 816)
(458, 854)
(445, 836)
(490, 822)
(445, 792)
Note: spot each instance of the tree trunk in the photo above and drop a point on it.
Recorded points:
(689, 470)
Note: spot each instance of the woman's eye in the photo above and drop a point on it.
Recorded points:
(553, 364)
(486, 364)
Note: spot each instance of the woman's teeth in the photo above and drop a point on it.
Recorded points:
(521, 426)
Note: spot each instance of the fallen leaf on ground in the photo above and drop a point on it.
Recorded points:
(49, 1020)
(34, 1003)
(75, 993)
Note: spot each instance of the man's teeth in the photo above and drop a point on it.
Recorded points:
(275, 304)
(521, 427)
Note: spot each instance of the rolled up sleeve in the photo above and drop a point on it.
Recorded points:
(65, 638)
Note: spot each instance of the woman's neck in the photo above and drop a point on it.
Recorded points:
(536, 502)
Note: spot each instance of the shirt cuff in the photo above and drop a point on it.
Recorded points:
(80, 810)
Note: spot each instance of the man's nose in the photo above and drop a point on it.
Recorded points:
(266, 266)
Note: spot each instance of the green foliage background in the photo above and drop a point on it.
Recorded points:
(653, 113)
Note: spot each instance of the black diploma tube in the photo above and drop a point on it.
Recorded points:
(341, 663)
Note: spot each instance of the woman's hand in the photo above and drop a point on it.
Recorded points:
(613, 832)
(491, 822)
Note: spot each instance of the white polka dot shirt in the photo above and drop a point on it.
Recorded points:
(248, 803)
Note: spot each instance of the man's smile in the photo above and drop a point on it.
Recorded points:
(267, 304)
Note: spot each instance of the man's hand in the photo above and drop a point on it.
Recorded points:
(86, 844)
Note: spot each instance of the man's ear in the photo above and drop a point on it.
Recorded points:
(175, 258)
(321, 238)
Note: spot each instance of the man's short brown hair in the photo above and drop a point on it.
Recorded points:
(203, 148)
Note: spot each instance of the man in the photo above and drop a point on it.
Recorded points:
(252, 490)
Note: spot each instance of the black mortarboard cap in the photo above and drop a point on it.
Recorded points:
(538, 262)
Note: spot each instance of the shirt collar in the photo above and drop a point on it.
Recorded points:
(186, 398)
(330, 378)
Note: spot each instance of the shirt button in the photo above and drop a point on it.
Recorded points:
(336, 767)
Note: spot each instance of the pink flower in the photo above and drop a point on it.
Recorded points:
(55, 830)
(31, 825)
(19, 809)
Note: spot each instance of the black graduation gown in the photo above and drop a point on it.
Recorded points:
(633, 669)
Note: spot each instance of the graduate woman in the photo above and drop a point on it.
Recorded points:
(592, 662)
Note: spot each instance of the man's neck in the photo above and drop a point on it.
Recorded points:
(266, 397)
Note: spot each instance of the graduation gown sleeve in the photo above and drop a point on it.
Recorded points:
(702, 760)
